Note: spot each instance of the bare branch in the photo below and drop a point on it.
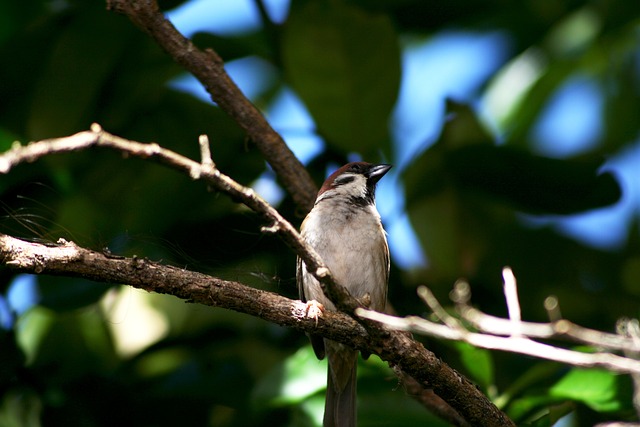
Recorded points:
(513, 303)
(431, 400)
(560, 329)
(513, 344)
(514, 336)
(630, 328)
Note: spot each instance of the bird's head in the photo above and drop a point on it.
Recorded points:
(354, 181)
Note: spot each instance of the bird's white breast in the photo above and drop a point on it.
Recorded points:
(351, 241)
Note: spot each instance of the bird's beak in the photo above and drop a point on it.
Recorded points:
(376, 172)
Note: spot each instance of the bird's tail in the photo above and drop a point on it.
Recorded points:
(340, 404)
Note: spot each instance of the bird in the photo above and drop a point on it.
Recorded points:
(345, 229)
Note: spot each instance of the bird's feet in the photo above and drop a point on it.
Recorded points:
(314, 310)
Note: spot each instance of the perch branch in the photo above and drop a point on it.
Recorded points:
(68, 259)
(395, 347)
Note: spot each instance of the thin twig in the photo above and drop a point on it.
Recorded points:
(630, 328)
(430, 299)
(205, 151)
(561, 329)
(552, 306)
(511, 344)
(514, 336)
(513, 303)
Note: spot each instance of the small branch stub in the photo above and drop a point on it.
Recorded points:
(513, 302)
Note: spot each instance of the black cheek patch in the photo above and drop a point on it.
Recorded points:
(362, 201)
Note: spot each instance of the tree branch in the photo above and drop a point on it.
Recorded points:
(395, 347)
(208, 68)
(68, 259)
(514, 336)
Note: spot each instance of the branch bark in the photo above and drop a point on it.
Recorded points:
(68, 259)
(208, 68)
(397, 348)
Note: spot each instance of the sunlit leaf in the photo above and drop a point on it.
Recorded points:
(532, 405)
(596, 388)
(294, 380)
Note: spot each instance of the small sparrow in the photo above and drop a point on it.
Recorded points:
(344, 227)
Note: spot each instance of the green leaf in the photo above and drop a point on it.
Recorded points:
(429, 173)
(533, 377)
(478, 362)
(531, 406)
(598, 389)
(462, 127)
(344, 62)
(437, 220)
(71, 80)
(532, 183)
(14, 16)
(465, 159)
(297, 378)
(79, 338)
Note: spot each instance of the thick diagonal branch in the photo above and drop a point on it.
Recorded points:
(208, 68)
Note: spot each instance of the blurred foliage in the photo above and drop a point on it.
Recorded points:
(65, 360)
(345, 64)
